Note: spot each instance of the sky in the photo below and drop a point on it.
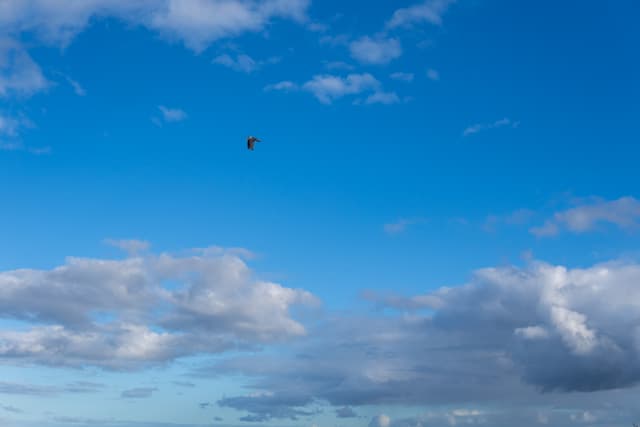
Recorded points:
(439, 227)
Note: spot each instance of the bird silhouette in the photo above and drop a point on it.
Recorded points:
(251, 142)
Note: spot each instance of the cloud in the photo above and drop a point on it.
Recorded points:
(380, 97)
(487, 126)
(338, 65)
(404, 77)
(375, 51)
(172, 115)
(19, 74)
(346, 412)
(11, 409)
(623, 213)
(518, 217)
(283, 86)
(429, 11)
(143, 310)
(381, 420)
(401, 225)
(510, 336)
(242, 63)
(77, 88)
(433, 74)
(195, 23)
(130, 246)
(138, 393)
(267, 406)
(327, 88)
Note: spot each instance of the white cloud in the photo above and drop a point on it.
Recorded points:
(139, 311)
(430, 11)
(405, 77)
(196, 23)
(170, 115)
(327, 88)
(77, 87)
(380, 97)
(242, 62)
(375, 51)
(130, 246)
(506, 122)
(401, 225)
(19, 74)
(623, 213)
(284, 86)
(433, 74)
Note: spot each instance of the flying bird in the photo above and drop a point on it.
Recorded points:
(251, 142)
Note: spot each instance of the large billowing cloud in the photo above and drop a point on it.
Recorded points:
(141, 310)
(510, 334)
(196, 23)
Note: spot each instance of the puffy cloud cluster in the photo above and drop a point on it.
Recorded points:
(505, 336)
(141, 310)
(196, 23)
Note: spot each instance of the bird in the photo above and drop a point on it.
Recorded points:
(251, 141)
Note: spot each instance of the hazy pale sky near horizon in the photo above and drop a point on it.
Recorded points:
(439, 227)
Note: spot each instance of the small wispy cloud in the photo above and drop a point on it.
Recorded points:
(506, 122)
(169, 115)
(243, 63)
(623, 213)
(77, 88)
(433, 74)
(131, 246)
(284, 86)
(138, 393)
(327, 88)
(401, 225)
(403, 77)
(429, 11)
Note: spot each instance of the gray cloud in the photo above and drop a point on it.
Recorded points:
(518, 336)
(346, 412)
(267, 406)
(138, 393)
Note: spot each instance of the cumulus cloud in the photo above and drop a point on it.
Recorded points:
(196, 23)
(505, 336)
(623, 213)
(142, 310)
(429, 11)
(506, 122)
(327, 88)
(377, 51)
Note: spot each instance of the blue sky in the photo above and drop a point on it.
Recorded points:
(440, 224)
